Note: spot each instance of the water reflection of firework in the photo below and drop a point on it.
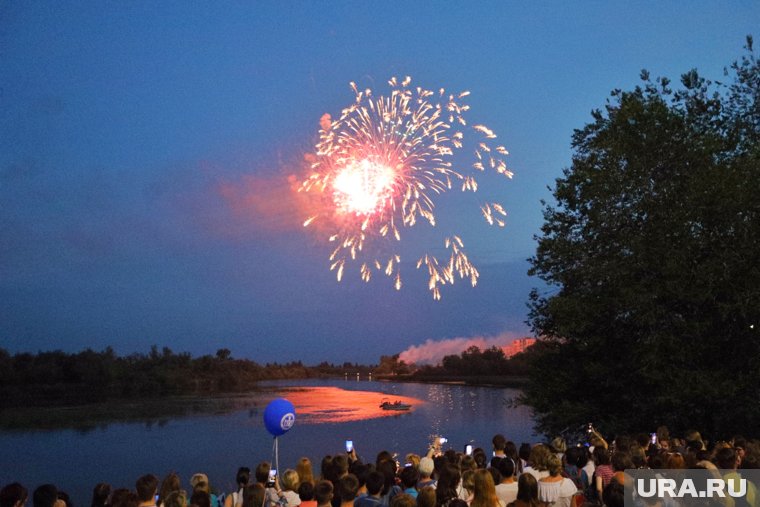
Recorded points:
(379, 167)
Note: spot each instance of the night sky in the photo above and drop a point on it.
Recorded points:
(145, 150)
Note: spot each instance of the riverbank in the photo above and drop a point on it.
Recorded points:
(516, 382)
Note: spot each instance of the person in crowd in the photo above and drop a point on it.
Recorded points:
(499, 446)
(426, 497)
(289, 492)
(603, 471)
(360, 471)
(175, 499)
(484, 490)
(261, 473)
(323, 493)
(466, 489)
(739, 443)
(693, 436)
(587, 467)
(555, 490)
(375, 484)
(410, 476)
(383, 456)
(403, 500)
(642, 440)
(494, 471)
(147, 488)
(100, 494)
(621, 461)
(306, 494)
(570, 463)
(254, 495)
(558, 446)
(467, 463)
(446, 488)
(13, 495)
(675, 461)
(326, 470)
(506, 490)
(728, 459)
(614, 495)
(510, 449)
(64, 497)
(46, 496)
(639, 456)
(123, 497)
(170, 484)
(426, 468)
(200, 498)
(242, 478)
(118, 495)
(348, 487)
(537, 462)
(479, 455)
(305, 471)
(340, 466)
(524, 454)
(390, 489)
(527, 492)
(200, 482)
(413, 459)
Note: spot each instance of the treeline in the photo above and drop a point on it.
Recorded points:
(474, 365)
(60, 378)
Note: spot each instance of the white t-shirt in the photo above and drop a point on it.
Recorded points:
(557, 494)
(507, 493)
(589, 468)
(535, 473)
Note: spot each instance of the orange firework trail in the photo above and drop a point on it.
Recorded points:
(379, 167)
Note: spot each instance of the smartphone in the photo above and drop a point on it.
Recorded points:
(155, 498)
(272, 476)
(408, 464)
(468, 449)
(653, 438)
(443, 440)
(349, 445)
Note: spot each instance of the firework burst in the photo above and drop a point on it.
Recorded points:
(379, 167)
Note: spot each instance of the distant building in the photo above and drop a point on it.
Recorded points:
(517, 346)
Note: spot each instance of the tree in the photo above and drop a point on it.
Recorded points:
(223, 354)
(652, 253)
(392, 365)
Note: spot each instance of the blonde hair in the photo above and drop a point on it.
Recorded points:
(414, 459)
(290, 480)
(468, 480)
(554, 465)
(539, 457)
(484, 490)
(305, 471)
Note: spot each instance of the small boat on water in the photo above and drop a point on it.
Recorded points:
(396, 405)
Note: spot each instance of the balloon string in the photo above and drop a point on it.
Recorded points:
(277, 454)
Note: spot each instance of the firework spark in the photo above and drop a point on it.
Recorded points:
(379, 167)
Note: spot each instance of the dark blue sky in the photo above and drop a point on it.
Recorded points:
(145, 146)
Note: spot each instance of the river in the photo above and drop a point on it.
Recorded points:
(328, 412)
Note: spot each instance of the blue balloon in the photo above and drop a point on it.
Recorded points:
(279, 416)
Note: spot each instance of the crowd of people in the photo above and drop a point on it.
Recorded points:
(552, 474)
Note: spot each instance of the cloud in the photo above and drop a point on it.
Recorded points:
(269, 203)
(433, 351)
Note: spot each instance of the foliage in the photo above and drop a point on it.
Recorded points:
(392, 365)
(475, 362)
(653, 260)
(61, 378)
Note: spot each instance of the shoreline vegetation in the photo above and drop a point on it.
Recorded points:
(87, 389)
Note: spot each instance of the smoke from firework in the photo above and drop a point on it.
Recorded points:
(433, 352)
